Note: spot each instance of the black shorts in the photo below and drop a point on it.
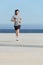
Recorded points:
(17, 27)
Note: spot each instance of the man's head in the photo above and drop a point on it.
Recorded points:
(16, 12)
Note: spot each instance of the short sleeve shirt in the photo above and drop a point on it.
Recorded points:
(18, 21)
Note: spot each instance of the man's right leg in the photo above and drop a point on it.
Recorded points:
(17, 34)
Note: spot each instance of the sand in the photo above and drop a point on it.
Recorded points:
(27, 51)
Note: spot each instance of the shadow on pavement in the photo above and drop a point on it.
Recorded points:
(22, 45)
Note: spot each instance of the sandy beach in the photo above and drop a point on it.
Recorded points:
(27, 51)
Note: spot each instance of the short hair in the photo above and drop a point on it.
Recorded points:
(16, 11)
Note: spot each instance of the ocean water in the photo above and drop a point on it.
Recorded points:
(22, 31)
(13, 31)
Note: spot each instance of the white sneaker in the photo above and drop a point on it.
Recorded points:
(17, 39)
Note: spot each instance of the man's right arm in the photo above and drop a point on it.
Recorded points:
(13, 19)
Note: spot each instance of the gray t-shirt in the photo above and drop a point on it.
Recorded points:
(18, 20)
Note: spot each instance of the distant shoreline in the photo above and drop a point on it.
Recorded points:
(22, 31)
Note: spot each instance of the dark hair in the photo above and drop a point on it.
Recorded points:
(16, 11)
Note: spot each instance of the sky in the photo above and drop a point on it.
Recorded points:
(30, 10)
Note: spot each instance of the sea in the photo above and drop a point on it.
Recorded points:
(22, 31)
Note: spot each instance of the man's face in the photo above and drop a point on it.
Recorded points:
(17, 12)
